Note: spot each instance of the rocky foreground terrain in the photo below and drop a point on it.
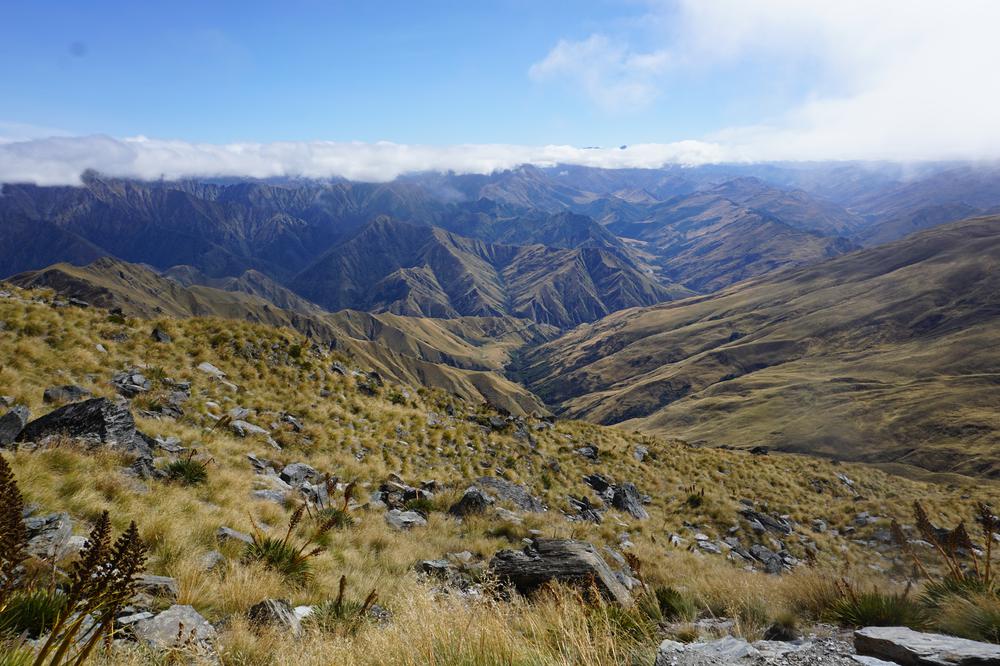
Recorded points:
(279, 503)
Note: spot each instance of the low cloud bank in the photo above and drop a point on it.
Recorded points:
(62, 160)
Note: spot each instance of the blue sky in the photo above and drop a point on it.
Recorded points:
(373, 89)
(413, 72)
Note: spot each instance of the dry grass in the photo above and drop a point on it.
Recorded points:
(361, 438)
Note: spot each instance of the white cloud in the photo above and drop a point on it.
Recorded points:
(913, 79)
(61, 160)
(607, 71)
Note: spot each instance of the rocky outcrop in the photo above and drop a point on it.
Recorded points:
(473, 501)
(276, 614)
(563, 560)
(12, 423)
(913, 648)
(505, 491)
(96, 422)
(178, 626)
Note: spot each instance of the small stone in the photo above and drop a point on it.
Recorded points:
(275, 613)
(178, 626)
(158, 586)
(228, 535)
(68, 393)
(404, 520)
(12, 423)
(159, 335)
(474, 501)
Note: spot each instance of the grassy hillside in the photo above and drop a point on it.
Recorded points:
(460, 356)
(421, 434)
(887, 355)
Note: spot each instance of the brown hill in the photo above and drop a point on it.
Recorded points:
(883, 355)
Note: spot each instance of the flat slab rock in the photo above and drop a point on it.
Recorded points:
(731, 651)
(178, 626)
(907, 647)
(558, 560)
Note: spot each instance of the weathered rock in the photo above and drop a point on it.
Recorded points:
(770, 523)
(97, 422)
(162, 587)
(159, 335)
(176, 627)
(247, 429)
(229, 535)
(404, 520)
(277, 614)
(210, 369)
(212, 560)
(599, 483)
(49, 536)
(771, 560)
(589, 451)
(584, 510)
(473, 501)
(276, 496)
(298, 473)
(913, 648)
(505, 491)
(563, 560)
(12, 423)
(728, 650)
(131, 383)
(69, 393)
(640, 453)
(628, 499)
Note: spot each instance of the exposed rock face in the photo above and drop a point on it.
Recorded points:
(177, 626)
(404, 520)
(473, 501)
(912, 648)
(131, 383)
(276, 613)
(627, 499)
(49, 536)
(69, 393)
(561, 560)
(298, 473)
(504, 490)
(12, 423)
(98, 422)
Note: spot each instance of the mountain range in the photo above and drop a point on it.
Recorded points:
(840, 309)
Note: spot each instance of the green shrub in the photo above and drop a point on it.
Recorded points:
(14, 653)
(187, 471)
(873, 608)
(422, 505)
(674, 605)
(937, 592)
(31, 612)
(342, 615)
(290, 559)
(976, 617)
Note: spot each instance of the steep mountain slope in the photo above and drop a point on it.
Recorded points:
(706, 241)
(390, 266)
(884, 355)
(463, 357)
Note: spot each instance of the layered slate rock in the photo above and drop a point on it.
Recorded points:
(97, 422)
(627, 498)
(913, 648)
(505, 491)
(12, 423)
(275, 613)
(178, 626)
(563, 560)
(473, 501)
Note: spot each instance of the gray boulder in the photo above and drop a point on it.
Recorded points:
(275, 614)
(404, 520)
(159, 335)
(229, 535)
(177, 627)
(97, 422)
(298, 473)
(49, 536)
(505, 491)
(628, 499)
(131, 383)
(562, 560)
(68, 393)
(913, 648)
(162, 587)
(473, 501)
(247, 429)
(12, 423)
